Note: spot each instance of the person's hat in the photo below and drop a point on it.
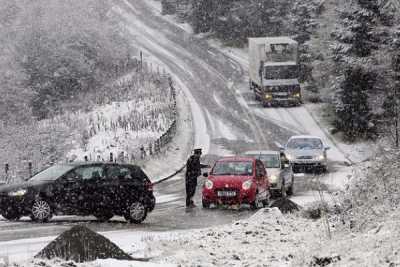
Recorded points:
(197, 150)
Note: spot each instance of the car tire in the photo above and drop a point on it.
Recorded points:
(136, 212)
(205, 204)
(11, 215)
(289, 190)
(41, 211)
(103, 217)
(255, 204)
(282, 191)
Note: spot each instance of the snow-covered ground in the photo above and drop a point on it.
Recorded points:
(267, 237)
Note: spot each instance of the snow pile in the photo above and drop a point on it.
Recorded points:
(267, 237)
(80, 244)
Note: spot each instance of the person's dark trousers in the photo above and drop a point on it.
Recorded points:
(191, 185)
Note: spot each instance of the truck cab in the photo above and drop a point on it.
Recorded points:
(274, 70)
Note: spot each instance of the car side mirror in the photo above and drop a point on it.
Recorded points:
(205, 174)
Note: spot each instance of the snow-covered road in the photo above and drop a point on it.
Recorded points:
(226, 120)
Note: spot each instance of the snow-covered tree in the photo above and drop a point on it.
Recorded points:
(391, 104)
(353, 115)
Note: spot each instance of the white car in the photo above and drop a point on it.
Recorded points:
(280, 175)
(306, 152)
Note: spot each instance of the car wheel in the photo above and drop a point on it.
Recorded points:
(103, 217)
(257, 203)
(11, 215)
(266, 201)
(289, 190)
(283, 191)
(41, 211)
(136, 213)
(205, 204)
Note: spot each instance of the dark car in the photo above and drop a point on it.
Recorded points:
(99, 189)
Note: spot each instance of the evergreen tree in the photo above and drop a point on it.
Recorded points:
(202, 15)
(362, 37)
(391, 104)
(352, 111)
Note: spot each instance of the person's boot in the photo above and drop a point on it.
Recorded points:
(192, 205)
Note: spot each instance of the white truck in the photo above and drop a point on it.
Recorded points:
(274, 70)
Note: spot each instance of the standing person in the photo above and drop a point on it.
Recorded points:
(193, 170)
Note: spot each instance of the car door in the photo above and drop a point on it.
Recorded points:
(92, 177)
(67, 192)
(115, 186)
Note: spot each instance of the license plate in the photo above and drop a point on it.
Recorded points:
(226, 193)
(280, 94)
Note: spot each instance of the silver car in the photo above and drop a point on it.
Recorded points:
(305, 153)
(280, 175)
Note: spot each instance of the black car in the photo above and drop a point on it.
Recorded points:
(99, 189)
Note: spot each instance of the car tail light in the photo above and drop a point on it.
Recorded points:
(149, 186)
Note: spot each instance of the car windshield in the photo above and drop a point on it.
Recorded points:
(52, 173)
(270, 161)
(233, 168)
(305, 143)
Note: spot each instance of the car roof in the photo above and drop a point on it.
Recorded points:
(236, 158)
(305, 136)
(262, 152)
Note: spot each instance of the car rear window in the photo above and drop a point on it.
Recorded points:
(233, 168)
(139, 174)
(269, 161)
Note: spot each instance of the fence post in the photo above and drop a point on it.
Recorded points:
(6, 170)
(111, 157)
(86, 158)
(30, 169)
(141, 60)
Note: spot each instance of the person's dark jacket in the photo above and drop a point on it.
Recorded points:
(193, 167)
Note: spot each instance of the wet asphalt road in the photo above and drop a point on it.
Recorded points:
(219, 86)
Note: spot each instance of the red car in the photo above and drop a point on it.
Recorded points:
(237, 180)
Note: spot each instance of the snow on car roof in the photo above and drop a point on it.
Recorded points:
(304, 136)
(262, 152)
(237, 158)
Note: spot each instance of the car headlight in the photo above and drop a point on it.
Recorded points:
(209, 184)
(320, 157)
(268, 96)
(246, 185)
(273, 179)
(288, 156)
(18, 193)
(297, 95)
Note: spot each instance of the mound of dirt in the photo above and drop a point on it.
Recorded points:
(285, 205)
(80, 244)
